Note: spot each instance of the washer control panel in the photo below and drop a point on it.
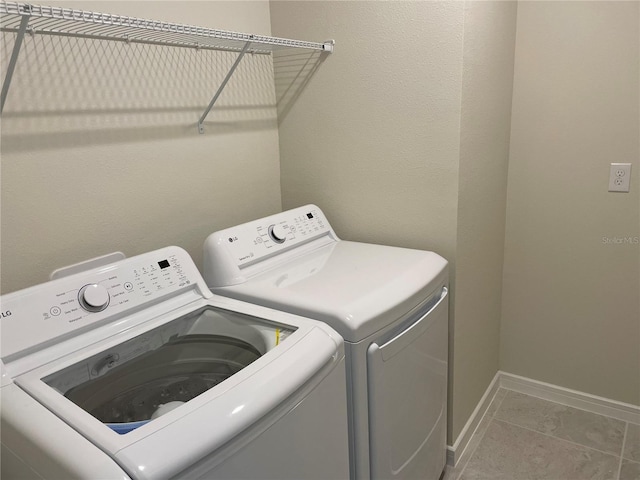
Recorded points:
(41, 313)
(253, 241)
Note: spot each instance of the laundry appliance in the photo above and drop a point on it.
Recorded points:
(134, 369)
(390, 305)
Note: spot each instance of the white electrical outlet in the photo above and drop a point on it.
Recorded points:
(619, 177)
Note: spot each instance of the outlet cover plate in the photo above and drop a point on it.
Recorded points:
(619, 177)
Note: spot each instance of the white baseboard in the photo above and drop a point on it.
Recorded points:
(455, 452)
(565, 396)
(572, 398)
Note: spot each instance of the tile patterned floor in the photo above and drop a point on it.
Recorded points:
(525, 438)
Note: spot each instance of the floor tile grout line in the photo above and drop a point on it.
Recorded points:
(557, 438)
(621, 455)
(624, 441)
(493, 410)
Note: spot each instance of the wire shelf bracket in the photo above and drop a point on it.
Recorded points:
(20, 18)
(24, 23)
(221, 87)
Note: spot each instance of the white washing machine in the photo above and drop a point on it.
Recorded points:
(389, 304)
(135, 369)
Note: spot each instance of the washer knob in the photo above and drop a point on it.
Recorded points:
(93, 297)
(278, 233)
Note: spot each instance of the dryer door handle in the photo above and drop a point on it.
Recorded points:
(398, 343)
(410, 369)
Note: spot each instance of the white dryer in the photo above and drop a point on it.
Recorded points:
(136, 370)
(389, 304)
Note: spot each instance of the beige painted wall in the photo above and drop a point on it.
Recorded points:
(415, 99)
(100, 150)
(487, 80)
(571, 308)
(374, 137)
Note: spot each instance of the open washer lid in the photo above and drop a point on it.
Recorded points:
(137, 381)
(303, 268)
(230, 404)
(234, 365)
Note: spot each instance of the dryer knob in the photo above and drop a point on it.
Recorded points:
(278, 233)
(93, 297)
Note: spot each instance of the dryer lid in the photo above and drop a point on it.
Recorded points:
(356, 288)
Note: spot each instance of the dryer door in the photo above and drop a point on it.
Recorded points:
(408, 396)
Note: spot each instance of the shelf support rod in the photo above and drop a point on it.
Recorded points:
(24, 22)
(221, 87)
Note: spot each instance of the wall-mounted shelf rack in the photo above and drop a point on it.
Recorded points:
(23, 18)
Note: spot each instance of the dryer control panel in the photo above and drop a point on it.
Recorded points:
(227, 252)
(252, 241)
(56, 309)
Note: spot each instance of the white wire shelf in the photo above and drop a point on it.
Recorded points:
(21, 18)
